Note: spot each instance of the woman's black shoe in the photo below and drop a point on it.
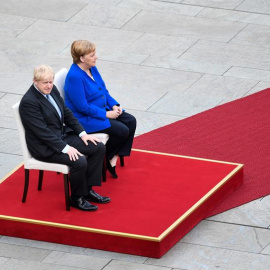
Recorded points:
(111, 169)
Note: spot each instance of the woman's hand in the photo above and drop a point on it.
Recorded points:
(117, 109)
(112, 114)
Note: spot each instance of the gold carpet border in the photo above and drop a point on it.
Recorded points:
(174, 155)
(201, 201)
(205, 197)
(11, 172)
(135, 236)
(79, 228)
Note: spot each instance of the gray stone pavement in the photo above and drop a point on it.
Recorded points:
(164, 61)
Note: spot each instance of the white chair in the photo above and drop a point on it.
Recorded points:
(59, 82)
(31, 163)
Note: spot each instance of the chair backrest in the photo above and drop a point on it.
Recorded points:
(21, 130)
(59, 81)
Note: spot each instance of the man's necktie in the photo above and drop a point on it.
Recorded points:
(50, 98)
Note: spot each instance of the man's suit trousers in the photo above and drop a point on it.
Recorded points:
(87, 170)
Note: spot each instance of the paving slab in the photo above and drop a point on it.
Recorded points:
(13, 25)
(253, 35)
(173, 7)
(9, 65)
(261, 85)
(15, 54)
(60, 10)
(226, 88)
(248, 73)
(259, 6)
(17, 84)
(105, 16)
(177, 25)
(197, 257)
(115, 256)
(8, 162)
(24, 75)
(9, 158)
(121, 265)
(104, 2)
(7, 122)
(76, 260)
(255, 213)
(123, 57)
(3, 260)
(23, 253)
(129, 86)
(184, 104)
(235, 16)
(13, 264)
(66, 33)
(209, 91)
(230, 54)
(161, 45)
(172, 1)
(148, 121)
(31, 47)
(10, 143)
(6, 102)
(226, 4)
(229, 236)
(187, 63)
(266, 250)
(40, 244)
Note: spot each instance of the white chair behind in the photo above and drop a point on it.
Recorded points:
(59, 82)
(31, 163)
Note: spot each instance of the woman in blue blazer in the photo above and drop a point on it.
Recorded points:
(89, 100)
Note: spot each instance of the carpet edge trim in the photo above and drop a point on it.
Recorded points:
(11, 172)
(127, 235)
(200, 202)
(78, 228)
(190, 157)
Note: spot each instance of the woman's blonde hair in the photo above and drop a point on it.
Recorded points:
(42, 72)
(80, 48)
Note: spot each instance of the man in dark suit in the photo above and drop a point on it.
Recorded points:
(54, 135)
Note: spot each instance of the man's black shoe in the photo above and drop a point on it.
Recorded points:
(82, 204)
(94, 197)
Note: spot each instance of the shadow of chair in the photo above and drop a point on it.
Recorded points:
(59, 82)
(31, 163)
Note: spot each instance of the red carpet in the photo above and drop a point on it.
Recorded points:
(237, 131)
(157, 199)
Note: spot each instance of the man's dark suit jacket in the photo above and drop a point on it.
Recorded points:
(44, 130)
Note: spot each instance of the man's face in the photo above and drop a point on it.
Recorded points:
(45, 86)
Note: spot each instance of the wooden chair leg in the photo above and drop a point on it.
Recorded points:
(66, 187)
(26, 184)
(104, 177)
(122, 162)
(40, 179)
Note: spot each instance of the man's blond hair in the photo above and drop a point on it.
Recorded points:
(42, 72)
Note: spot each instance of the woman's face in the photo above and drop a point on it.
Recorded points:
(89, 59)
